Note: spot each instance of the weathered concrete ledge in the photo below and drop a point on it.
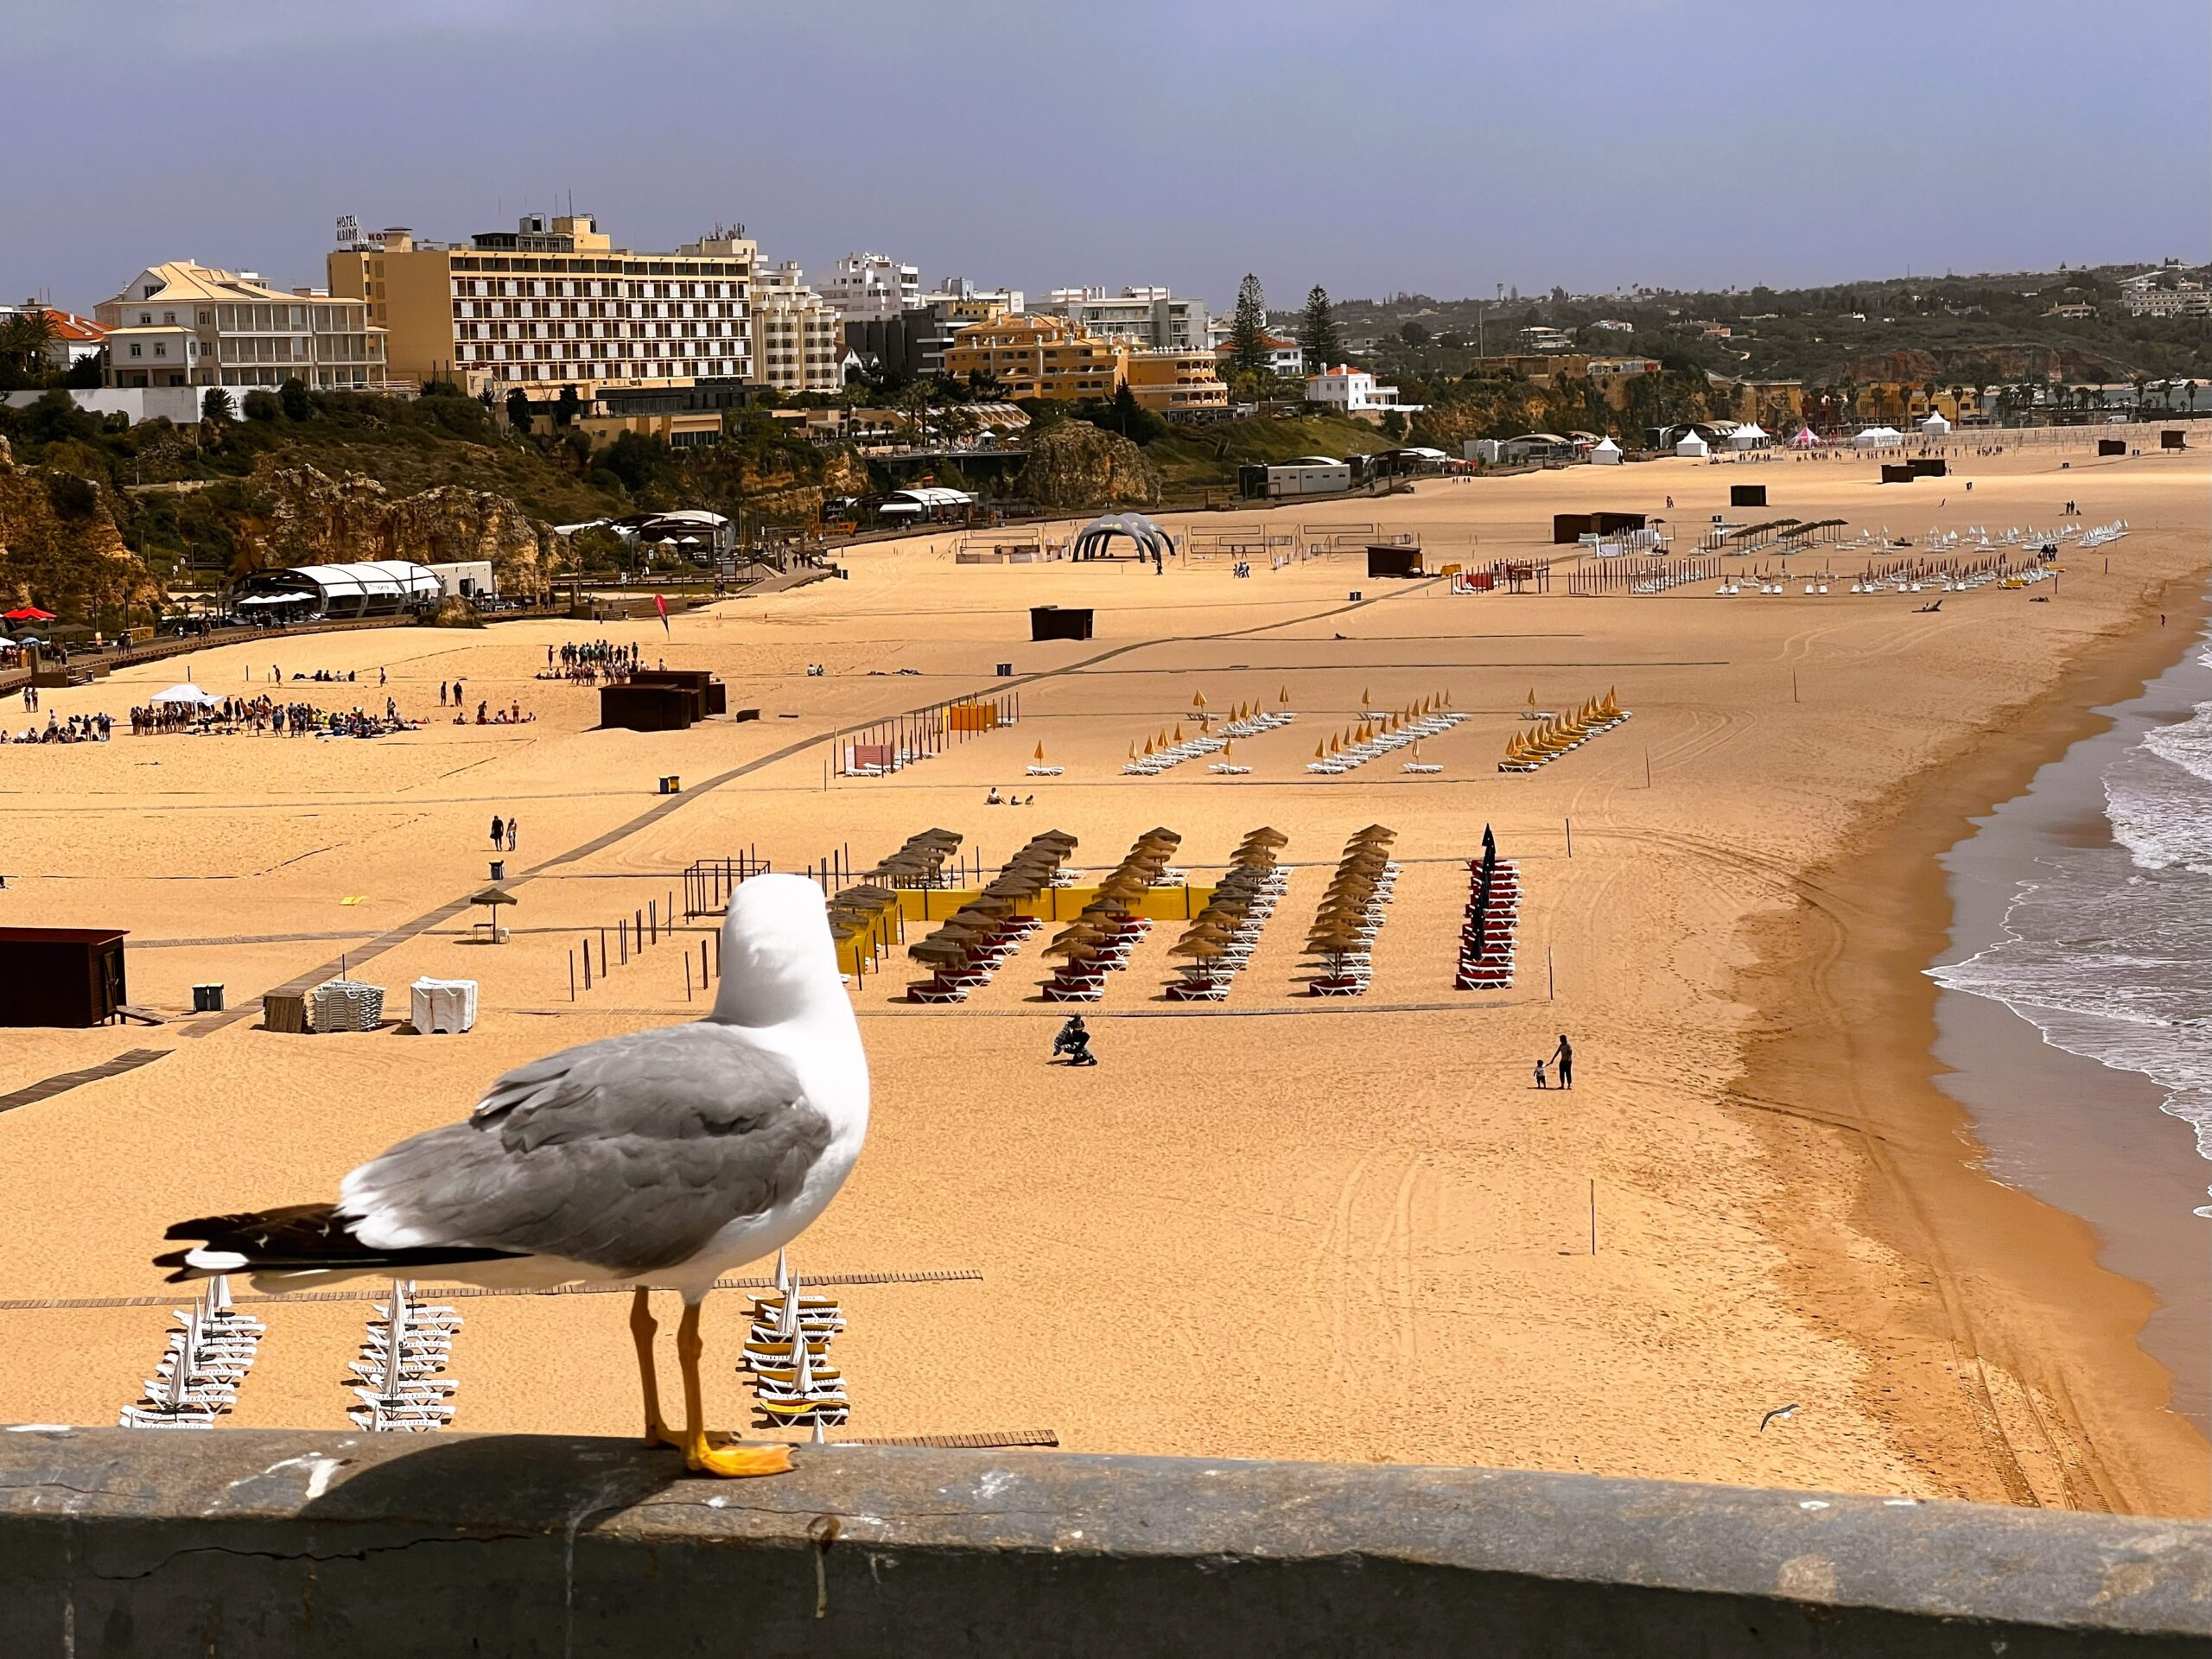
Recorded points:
(239, 1544)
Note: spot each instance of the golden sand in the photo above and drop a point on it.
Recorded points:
(1280, 1226)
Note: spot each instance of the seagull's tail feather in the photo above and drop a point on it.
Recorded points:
(297, 1238)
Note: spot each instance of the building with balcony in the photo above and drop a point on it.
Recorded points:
(69, 338)
(186, 324)
(1176, 382)
(1285, 358)
(1149, 318)
(872, 288)
(553, 303)
(799, 343)
(1037, 355)
(1347, 390)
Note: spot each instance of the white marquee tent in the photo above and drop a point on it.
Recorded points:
(1693, 445)
(1749, 436)
(1935, 426)
(1605, 453)
(1878, 438)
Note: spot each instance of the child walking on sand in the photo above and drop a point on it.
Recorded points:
(1539, 1075)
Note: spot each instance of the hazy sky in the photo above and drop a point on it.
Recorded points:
(1375, 146)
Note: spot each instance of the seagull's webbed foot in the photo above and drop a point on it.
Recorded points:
(736, 1461)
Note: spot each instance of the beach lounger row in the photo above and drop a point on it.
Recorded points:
(1527, 752)
(209, 1350)
(398, 1378)
(1493, 911)
(1098, 942)
(1221, 939)
(786, 1357)
(1351, 913)
(969, 946)
(1374, 737)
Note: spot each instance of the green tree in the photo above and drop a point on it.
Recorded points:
(293, 395)
(519, 411)
(24, 340)
(259, 405)
(1412, 333)
(1394, 425)
(215, 408)
(1317, 333)
(86, 371)
(1247, 327)
(566, 407)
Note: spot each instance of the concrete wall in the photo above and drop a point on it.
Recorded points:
(241, 1544)
(177, 403)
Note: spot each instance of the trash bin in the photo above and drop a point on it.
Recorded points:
(207, 999)
(498, 869)
(672, 785)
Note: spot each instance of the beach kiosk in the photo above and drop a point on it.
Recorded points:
(61, 975)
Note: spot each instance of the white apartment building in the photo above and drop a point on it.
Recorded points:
(185, 324)
(2144, 298)
(798, 341)
(1149, 318)
(872, 288)
(1351, 392)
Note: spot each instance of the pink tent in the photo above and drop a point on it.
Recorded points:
(1804, 440)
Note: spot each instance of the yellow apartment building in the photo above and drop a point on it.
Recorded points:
(1174, 383)
(553, 303)
(799, 339)
(1039, 356)
(185, 324)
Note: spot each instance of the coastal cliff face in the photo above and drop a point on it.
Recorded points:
(58, 546)
(1077, 465)
(316, 519)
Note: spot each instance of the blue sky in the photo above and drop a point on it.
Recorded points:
(1371, 148)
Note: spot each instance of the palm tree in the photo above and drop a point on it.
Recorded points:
(25, 338)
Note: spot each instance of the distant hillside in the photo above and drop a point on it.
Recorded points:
(1194, 458)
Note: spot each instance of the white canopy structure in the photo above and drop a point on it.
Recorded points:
(378, 588)
(922, 500)
(1878, 438)
(1605, 453)
(1749, 436)
(1935, 426)
(187, 693)
(1693, 445)
(1090, 542)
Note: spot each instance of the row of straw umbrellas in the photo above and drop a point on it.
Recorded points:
(869, 910)
(965, 940)
(1343, 927)
(1228, 919)
(1089, 942)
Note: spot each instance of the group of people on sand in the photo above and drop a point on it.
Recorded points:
(264, 715)
(595, 662)
(78, 728)
(513, 714)
(996, 799)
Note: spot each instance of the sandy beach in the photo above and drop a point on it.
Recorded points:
(1283, 1226)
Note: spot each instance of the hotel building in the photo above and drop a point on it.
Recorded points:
(553, 303)
(184, 324)
(799, 343)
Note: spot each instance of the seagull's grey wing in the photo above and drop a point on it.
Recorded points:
(629, 1154)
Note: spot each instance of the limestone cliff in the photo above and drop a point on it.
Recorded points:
(1077, 465)
(316, 519)
(59, 550)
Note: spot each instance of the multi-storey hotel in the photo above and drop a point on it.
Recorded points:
(553, 303)
(799, 343)
(183, 324)
(1040, 355)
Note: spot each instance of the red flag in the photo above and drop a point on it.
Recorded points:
(660, 604)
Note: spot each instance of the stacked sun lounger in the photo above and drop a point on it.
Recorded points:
(345, 1005)
(1493, 908)
(969, 946)
(1555, 737)
(211, 1347)
(399, 1375)
(1221, 938)
(1351, 912)
(1377, 735)
(1099, 940)
(786, 1357)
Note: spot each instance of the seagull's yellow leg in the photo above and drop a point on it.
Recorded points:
(643, 1329)
(699, 1457)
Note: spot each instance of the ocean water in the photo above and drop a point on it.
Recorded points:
(2105, 943)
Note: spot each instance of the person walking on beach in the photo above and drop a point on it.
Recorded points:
(1565, 1055)
(499, 833)
(514, 831)
(1540, 1074)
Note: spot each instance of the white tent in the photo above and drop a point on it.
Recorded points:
(1878, 438)
(1747, 436)
(1693, 445)
(1935, 426)
(187, 693)
(1605, 453)
(1804, 440)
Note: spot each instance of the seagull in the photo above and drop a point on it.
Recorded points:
(662, 1158)
(1780, 1414)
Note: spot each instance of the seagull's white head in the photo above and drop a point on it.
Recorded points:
(778, 961)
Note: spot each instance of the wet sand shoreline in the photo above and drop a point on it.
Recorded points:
(2015, 1313)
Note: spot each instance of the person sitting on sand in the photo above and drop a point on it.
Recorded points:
(992, 799)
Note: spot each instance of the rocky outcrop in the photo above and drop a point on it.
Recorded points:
(59, 550)
(316, 519)
(1077, 466)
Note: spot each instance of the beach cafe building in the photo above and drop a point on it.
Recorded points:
(380, 587)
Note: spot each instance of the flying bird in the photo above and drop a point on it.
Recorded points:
(1780, 1414)
(662, 1158)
